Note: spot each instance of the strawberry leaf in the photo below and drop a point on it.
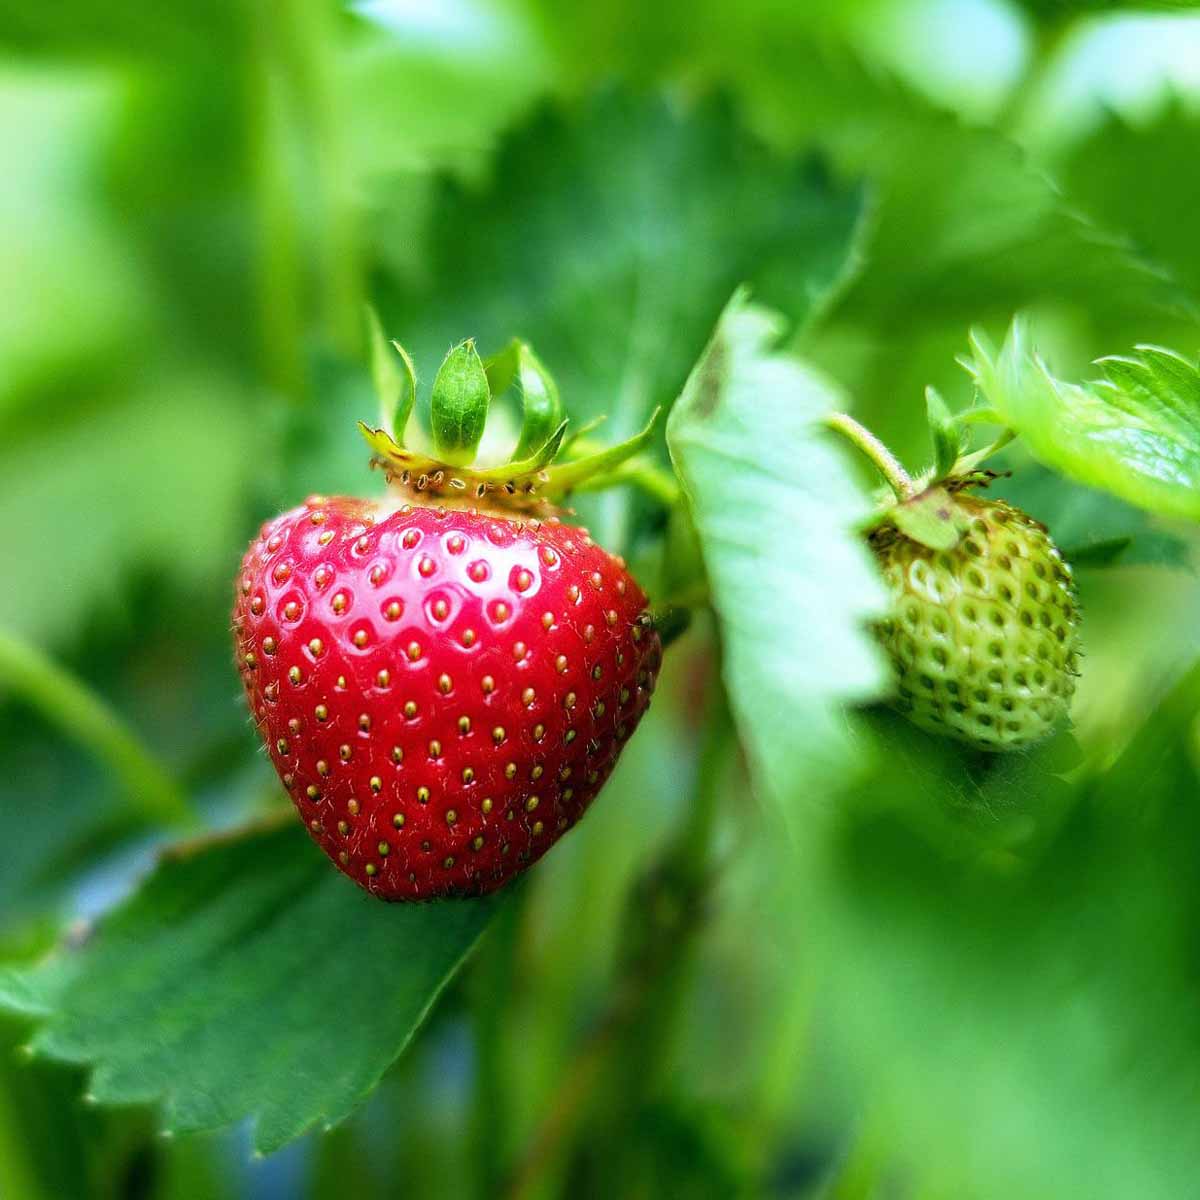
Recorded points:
(1135, 433)
(245, 978)
(791, 581)
(643, 219)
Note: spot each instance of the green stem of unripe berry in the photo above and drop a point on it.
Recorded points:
(886, 463)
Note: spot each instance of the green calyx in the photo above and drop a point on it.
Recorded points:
(546, 463)
(922, 507)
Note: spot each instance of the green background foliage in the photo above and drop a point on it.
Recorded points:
(798, 948)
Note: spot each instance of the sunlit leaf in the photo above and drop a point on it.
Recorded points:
(792, 584)
(1135, 433)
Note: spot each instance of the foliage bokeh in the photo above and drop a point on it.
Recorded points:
(199, 200)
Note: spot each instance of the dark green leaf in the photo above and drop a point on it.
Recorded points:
(1135, 433)
(459, 405)
(791, 581)
(246, 977)
(634, 222)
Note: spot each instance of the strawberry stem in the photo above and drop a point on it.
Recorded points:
(886, 463)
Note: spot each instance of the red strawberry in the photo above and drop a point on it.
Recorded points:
(443, 692)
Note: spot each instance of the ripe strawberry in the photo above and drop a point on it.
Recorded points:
(443, 692)
(982, 633)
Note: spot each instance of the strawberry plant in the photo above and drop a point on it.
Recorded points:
(598, 602)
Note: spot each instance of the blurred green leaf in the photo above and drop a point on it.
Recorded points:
(1067, 9)
(1135, 433)
(126, 27)
(155, 480)
(610, 234)
(246, 977)
(792, 583)
(1137, 180)
(76, 296)
(963, 221)
(1012, 1017)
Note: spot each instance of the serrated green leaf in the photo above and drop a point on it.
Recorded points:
(644, 217)
(945, 433)
(791, 581)
(395, 383)
(1135, 434)
(245, 978)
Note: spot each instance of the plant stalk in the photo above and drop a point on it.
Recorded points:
(494, 976)
(83, 716)
(886, 463)
(629, 1044)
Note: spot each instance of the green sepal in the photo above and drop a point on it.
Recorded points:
(541, 404)
(672, 622)
(540, 458)
(945, 433)
(932, 518)
(459, 405)
(501, 367)
(395, 385)
(567, 476)
(518, 485)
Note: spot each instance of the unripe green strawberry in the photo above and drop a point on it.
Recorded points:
(983, 634)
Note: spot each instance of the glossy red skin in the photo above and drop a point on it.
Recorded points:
(525, 685)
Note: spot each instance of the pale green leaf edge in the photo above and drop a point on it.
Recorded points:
(792, 582)
(1135, 434)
